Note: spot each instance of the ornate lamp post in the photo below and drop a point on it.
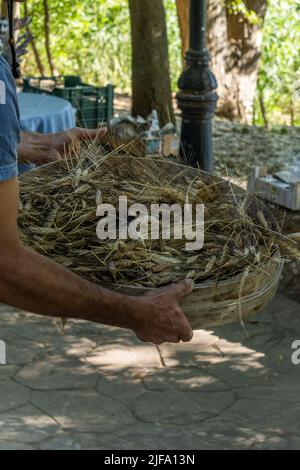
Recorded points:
(197, 98)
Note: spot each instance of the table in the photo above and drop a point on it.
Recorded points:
(45, 114)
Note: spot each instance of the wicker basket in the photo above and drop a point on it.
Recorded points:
(211, 303)
(236, 299)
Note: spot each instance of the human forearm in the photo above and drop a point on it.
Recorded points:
(46, 148)
(34, 283)
(35, 148)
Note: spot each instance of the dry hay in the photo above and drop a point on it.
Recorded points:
(58, 219)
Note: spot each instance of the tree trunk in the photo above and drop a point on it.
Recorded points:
(183, 11)
(36, 54)
(47, 39)
(292, 112)
(151, 84)
(235, 46)
(263, 109)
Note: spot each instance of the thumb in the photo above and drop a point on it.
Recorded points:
(182, 288)
(91, 134)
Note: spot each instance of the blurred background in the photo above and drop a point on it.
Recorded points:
(93, 39)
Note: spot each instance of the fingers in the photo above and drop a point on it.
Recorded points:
(179, 290)
(182, 288)
(186, 334)
(181, 331)
(91, 134)
(171, 324)
(53, 156)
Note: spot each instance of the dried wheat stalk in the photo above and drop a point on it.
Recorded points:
(58, 219)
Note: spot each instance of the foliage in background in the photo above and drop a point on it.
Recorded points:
(174, 42)
(238, 6)
(92, 39)
(279, 76)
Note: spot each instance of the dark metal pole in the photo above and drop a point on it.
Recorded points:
(197, 25)
(197, 98)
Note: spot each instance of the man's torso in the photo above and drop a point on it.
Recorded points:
(9, 123)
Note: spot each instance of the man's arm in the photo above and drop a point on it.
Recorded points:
(34, 283)
(46, 148)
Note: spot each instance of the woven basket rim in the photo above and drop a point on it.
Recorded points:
(210, 283)
(273, 281)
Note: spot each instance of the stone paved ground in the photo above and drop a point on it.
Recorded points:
(98, 387)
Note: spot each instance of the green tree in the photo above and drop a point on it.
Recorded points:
(93, 39)
(90, 38)
(279, 77)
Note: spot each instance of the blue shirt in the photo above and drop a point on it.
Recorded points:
(9, 123)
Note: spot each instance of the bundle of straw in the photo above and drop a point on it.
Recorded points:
(58, 219)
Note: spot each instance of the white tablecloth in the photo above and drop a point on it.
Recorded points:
(45, 114)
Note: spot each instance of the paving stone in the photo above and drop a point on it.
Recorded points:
(106, 336)
(139, 436)
(26, 425)
(279, 358)
(286, 420)
(256, 413)
(144, 436)
(12, 395)
(141, 355)
(222, 433)
(8, 371)
(15, 446)
(69, 346)
(286, 442)
(125, 387)
(235, 332)
(239, 373)
(21, 351)
(213, 351)
(279, 304)
(82, 328)
(200, 351)
(264, 342)
(173, 407)
(286, 313)
(57, 374)
(272, 387)
(8, 316)
(32, 329)
(71, 441)
(225, 390)
(83, 411)
(244, 344)
(183, 379)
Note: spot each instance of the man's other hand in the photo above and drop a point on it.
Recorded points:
(160, 318)
(47, 148)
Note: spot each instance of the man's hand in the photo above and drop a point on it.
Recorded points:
(47, 148)
(160, 318)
